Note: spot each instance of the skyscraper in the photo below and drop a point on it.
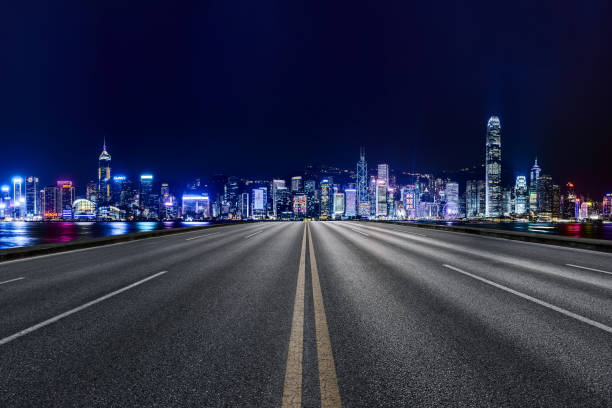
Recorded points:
(338, 205)
(452, 200)
(350, 198)
(493, 168)
(363, 199)
(545, 196)
(50, 202)
(276, 184)
(533, 187)
(65, 198)
(325, 204)
(296, 184)
(145, 196)
(471, 199)
(520, 193)
(383, 173)
(32, 197)
(381, 198)
(104, 177)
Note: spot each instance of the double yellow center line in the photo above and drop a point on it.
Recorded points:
(328, 382)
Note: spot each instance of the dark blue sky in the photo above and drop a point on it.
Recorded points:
(255, 87)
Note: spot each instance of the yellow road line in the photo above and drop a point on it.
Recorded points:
(330, 394)
(292, 388)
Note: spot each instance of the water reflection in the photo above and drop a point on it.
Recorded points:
(18, 234)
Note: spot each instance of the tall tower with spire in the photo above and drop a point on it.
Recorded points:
(104, 176)
(493, 168)
(363, 203)
(533, 187)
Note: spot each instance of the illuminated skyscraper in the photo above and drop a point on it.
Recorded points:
(533, 187)
(104, 177)
(363, 198)
(545, 196)
(338, 205)
(471, 199)
(5, 201)
(258, 202)
(383, 173)
(452, 200)
(244, 205)
(276, 184)
(32, 197)
(381, 198)
(493, 168)
(50, 202)
(145, 199)
(607, 206)
(296, 184)
(520, 194)
(350, 198)
(310, 188)
(65, 198)
(300, 205)
(325, 202)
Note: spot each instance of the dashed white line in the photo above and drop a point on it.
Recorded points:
(535, 300)
(589, 269)
(11, 280)
(362, 233)
(201, 236)
(76, 309)
(255, 233)
(411, 233)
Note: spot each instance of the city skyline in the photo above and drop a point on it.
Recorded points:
(296, 88)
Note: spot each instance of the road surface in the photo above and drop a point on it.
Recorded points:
(308, 314)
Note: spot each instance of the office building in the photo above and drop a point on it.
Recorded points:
(544, 196)
(533, 187)
(145, 197)
(381, 198)
(338, 205)
(521, 195)
(296, 184)
(452, 200)
(259, 199)
(65, 199)
(300, 205)
(32, 197)
(104, 177)
(244, 206)
(325, 200)
(50, 202)
(195, 206)
(350, 198)
(275, 185)
(383, 173)
(363, 197)
(493, 168)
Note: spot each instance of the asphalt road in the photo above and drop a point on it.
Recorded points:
(308, 314)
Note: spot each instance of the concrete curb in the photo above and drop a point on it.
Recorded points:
(582, 243)
(45, 249)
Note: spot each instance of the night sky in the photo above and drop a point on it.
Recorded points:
(258, 88)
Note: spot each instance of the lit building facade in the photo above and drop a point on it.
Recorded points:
(521, 197)
(195, 206)
(300, 205)
(259, 199)
(325, 201)
(452, 200)
(338, 205)
(104, 177)
(32, 197)
(363, 197)
(381, 198)
(296, 184)
(493, 168)
(145, 196)
(533, 187)
(65, 198)
(350, 198)
(383, 173)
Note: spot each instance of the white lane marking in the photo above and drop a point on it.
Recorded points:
(201, 236)
(534, 300)
(362, 233)
(76, 309)
(255, 233)
(589, 269)
(11, 280)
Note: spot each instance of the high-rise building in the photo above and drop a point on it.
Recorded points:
(383, 173)
(310, 188)
(471, 199)
(296, 184)
(520, 195)
(276, 184)
(258, 202)
(452, 200)
(411, 199)
(50, 202)
(507, 202)
(363, 197)
(381, 198)
(482, 198)
(104, 177)
(145, 197)
(533, 187)
(65, 198)
(300, 206)
(284, 207)
(568, 202)
(5, 201)
(338, 205)
(325, 202)
(18, 198)
(493, 168)
(556, 202)
(32, 197)
(350, 198)
(545, 196)
(244, 205)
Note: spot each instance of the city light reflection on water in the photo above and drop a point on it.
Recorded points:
(18, 234)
